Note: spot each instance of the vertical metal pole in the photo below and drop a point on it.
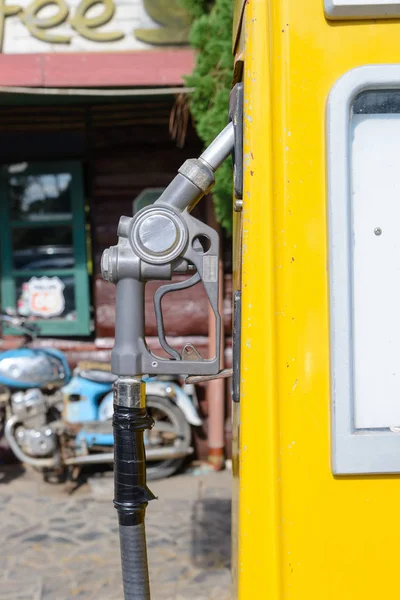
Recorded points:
(216, 387)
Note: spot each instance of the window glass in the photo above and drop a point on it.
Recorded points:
(43, 248)
(377, 102)
(39, 196)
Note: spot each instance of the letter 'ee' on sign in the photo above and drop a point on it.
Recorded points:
(362, 9)
(31, 26)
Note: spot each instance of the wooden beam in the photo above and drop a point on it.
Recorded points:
(151, 68)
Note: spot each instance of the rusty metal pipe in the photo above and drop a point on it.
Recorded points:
(108, 457)
(216, 387)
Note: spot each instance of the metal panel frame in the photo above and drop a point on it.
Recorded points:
(362, 451)
(386, 10)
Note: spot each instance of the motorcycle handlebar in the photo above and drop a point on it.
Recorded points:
(20, 323)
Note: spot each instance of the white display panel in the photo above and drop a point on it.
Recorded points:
(375, 176)
(363, 165)
(362, 9)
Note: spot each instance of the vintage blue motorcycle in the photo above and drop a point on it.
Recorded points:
(58, 421)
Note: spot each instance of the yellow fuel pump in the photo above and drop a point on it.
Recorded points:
(317, 281)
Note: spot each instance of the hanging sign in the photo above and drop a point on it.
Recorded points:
(31, 26)
(44, 297)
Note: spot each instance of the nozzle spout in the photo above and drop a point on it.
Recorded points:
(196, 176)
(220, 148)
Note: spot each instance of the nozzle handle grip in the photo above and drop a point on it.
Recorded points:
(129, 327)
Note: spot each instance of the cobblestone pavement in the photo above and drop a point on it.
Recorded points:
(56, 546)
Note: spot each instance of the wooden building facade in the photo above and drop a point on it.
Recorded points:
(82, 135)
(115, 152)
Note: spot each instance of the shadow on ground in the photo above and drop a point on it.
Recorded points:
(10, 472)
(211, 533)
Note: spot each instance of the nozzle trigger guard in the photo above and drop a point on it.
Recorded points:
(158, 296)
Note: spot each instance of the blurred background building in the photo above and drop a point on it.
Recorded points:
(94, 123)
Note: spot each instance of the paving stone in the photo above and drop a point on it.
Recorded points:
(23, 589)
(60, 547)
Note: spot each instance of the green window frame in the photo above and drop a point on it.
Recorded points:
(54, 327)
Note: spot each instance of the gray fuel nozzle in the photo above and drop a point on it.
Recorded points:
(159, 240)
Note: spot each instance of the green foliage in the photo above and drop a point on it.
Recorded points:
(195, 8)
(211, 35)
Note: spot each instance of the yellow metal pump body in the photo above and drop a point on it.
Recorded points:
(299, 531)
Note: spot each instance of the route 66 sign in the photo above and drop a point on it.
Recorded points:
(45, 297)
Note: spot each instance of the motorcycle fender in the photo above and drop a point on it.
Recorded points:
(178, 396)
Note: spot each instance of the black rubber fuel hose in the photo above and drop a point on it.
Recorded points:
(131, 498)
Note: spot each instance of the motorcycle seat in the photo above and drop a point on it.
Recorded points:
(98, 375)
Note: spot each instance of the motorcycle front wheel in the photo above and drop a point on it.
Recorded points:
(171, 429)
